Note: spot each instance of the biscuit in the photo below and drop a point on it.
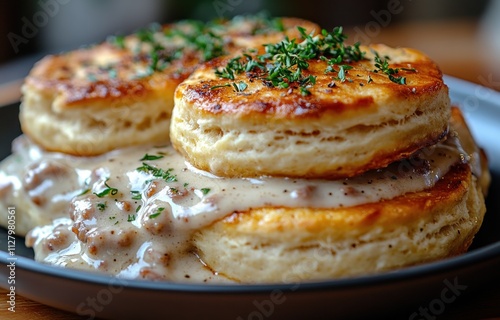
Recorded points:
(269, 244)
(120, 93)
(342, 128)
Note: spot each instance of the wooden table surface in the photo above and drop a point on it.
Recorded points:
(454, 46)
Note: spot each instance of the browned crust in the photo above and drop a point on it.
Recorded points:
(346, 97)
(54, 75)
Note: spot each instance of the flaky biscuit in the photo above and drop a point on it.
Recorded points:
(120, 93)
(341, 129)
(268, 244)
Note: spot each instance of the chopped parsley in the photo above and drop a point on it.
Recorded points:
(102, 206)
(156, 213)
(91, 77)
(118, 41)
(382, 64)
(262, 23)
(148, 34)
(151, 157)
(220, 86)
(201, 37)
(234, 66)
(239, 87)
(84, 191)
(108, 190)
(158, 172)
(131, 217)
(205, 191)
(112, 74)
(195, 34)
(343, 71)
(136, 195)
(284, 63)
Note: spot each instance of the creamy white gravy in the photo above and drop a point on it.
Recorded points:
(132, 212)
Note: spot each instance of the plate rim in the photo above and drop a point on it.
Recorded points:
(483, 254)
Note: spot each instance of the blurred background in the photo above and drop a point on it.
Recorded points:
(462, 36)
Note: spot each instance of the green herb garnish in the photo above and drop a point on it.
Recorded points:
(263, 23)
(108, 190)
(84, 191)
(220, 86)
(383, 66)
(136, 195)
(158, 172)
(101, 206)
(91, 77)
(156, 213)
(130, 217)
(112, 74)
(284, 63)
(148, 34)
(151, 157)
(202, 37)
(234, 66)
(343, 71)
(239, 87)
(205, 191)
(118, 41)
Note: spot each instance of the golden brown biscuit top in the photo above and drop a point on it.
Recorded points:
(336, 88)
(153, 58)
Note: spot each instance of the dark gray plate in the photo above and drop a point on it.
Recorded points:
(435, 286)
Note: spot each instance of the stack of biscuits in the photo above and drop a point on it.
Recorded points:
(215, 92)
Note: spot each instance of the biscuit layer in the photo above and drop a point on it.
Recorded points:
(341, 129)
